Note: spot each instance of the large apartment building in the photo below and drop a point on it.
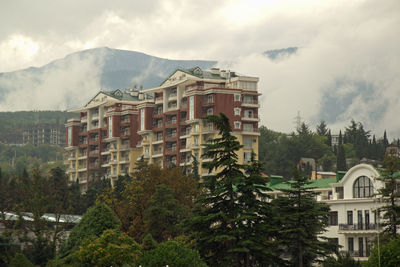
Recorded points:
(44, 133)
(162, 125)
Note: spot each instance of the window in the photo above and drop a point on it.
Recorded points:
(339, 191)
(208, 98)
(361, 246)
(349, 217)
(248, 114)
(236, 111)
(248, 127)
(247, 142)
(333, 218)
(69, 136)
(237, 124)
(191, 107)
(363, 187)
(350, 244)
(367, 220)
(142, 119)
(247, 156)
(237, 97)
(210, 111)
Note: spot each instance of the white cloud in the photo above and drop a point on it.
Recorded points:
(352, 40)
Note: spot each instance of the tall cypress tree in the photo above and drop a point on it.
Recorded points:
(329, 140)
(385, 140)
(302, 219)
(340, 138)
(341, 159)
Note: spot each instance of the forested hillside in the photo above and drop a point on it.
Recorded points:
(13, 123)
(280, 152)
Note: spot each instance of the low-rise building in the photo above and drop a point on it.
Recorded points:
(354, 202)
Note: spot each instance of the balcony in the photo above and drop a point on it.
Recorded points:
(159, 100)
(171, 148)
(171, 135)
(252, 103)
(359, 227)
(172, 96)
(84, 119)
(158, 124)
(94, 165)
(172, 106)
(356, 253)
(125, 133)
(172, 121)
(94, 152)
(250, 117)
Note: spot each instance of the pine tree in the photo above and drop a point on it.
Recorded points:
(390, 195)
(163, 214)
(195, 168)
(340, 138)
(322, 130)
(302, 219)
(219, 220)
(254, 225)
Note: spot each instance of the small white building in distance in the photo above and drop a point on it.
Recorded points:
(354, 217)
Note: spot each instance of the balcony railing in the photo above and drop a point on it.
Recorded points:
(157, 125)
(250, 101)
(171, 135)
(172, 148)
(250, 116)
(358, 226)
(172, 121)
(356, 253)
(96, 151)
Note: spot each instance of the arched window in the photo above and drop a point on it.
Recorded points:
(363, 187)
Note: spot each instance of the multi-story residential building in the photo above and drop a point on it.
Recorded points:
(162, 125)
(45, 133)
(354, 202)
(171, 124)
(102, 143)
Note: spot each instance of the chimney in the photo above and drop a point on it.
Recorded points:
(214, 70)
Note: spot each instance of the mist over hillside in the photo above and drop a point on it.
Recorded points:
(69, 82)
(289, 83)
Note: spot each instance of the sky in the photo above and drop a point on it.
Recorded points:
(343, 44)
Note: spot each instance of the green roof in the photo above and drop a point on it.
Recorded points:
(320, 183)
(118, 94)
(198, 72)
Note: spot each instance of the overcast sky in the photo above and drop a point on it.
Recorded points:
(339, 39)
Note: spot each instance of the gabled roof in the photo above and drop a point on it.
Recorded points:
(199, 73)
(120, 95)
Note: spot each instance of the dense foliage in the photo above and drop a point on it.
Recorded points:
(279, 152)
(387, 255)
(172, 253)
